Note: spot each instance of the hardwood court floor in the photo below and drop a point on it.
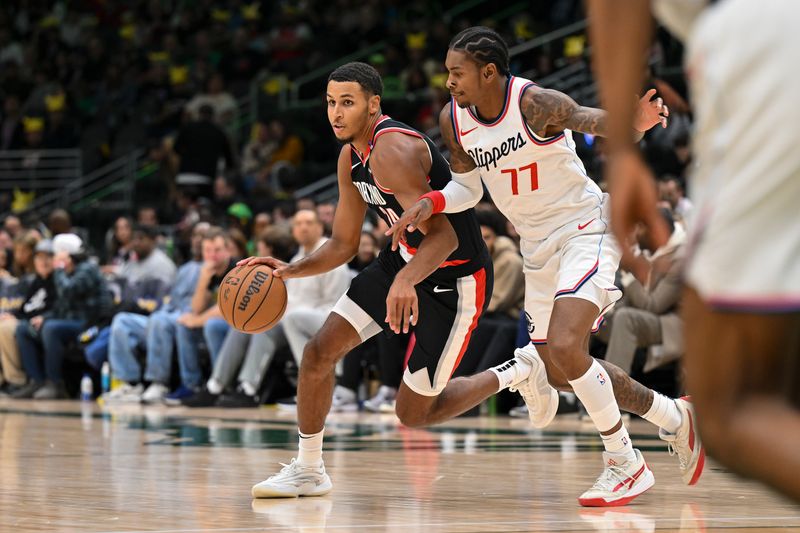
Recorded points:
(67, 466)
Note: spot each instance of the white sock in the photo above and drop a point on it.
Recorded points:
(214, 386)
(596, 393)
(310, 450)
(619, 442)
(510, 373)
(664, 413)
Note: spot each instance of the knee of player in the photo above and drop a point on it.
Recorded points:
(410, 417)
(317, 355)
(562, 345)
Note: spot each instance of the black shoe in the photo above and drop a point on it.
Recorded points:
(7, 389)
(27, 391)
(51, 391)
(237, 399)
(201, 398)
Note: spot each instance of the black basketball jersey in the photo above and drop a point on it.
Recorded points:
(471, 254)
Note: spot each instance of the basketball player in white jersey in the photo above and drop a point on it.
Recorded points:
(517, 137)
(742, 298)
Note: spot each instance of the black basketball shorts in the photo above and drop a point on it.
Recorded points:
(449, 310)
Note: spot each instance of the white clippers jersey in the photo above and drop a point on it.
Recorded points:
(539, 184)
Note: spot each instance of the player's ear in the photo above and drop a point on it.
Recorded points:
(374, 104)
(489, 71)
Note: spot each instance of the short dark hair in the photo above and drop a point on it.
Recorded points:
(151, 232)
(484, 46)
(215, 232)
(361, 73)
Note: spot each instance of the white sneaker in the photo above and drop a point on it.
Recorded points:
(540, 397)
(125, 393)
(294, 480)
(344, 400)
(155, 393)
(619, 483)
(383, 401)
(685, 443)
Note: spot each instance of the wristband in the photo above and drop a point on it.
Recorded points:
(437, 198)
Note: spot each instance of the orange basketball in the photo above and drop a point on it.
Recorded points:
(251, 299)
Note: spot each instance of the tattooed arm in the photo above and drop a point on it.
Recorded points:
(550, 112)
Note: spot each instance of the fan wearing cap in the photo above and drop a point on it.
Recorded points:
(38, 298)
(82, 298)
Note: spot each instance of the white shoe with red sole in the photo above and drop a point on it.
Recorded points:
(686, 443)
(619, 483)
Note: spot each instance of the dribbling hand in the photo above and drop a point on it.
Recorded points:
(410, 221)
(280, 269)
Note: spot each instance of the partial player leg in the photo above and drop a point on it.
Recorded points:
(305, 475)
(626, 474)
(674, 417)
(739, 368)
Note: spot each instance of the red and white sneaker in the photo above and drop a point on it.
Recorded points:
(685, 443)
(620, 482)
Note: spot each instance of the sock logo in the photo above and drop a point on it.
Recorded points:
(625, 441)
(507, 365)
(601, 378)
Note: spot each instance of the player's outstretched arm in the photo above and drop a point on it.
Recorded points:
(620, 33)
(401, 163)
(548, 112)
(462, 192)
(345, 237)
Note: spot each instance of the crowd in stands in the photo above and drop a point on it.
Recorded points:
(110, 77)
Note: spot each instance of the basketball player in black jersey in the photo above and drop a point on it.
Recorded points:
(437, 282)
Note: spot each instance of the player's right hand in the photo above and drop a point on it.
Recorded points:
(279, 268)
(410, 221)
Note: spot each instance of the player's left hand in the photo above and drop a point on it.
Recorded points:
(402, 306)
(650, 112)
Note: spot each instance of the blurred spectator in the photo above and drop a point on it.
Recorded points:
(224, 193)
(13, 225)
(309, 302)
(648, 317)
(155, 333)
(81, 298)
(11, 132)
(119, 245)
(24, 246)
(60, 130)
(367, 252)
(147, 260)
(671, 190)
(289, 146)
(260, 223)
(239, 217)
(238, 243)
(59, 222)
(325, 213)
(203, 318)
(147, 216)
(38, 300)
(257, 154)
(200, 145)
(221, 102)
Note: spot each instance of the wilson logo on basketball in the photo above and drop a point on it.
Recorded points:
(255, 286)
